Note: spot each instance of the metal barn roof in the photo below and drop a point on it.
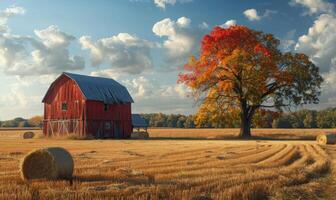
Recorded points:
(138, 121)
(101, 89)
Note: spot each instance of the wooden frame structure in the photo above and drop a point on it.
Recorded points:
(67, 127)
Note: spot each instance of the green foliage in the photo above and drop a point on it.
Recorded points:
(35, 121)
(326, 118)
(266, 119)
(284, 121)
(23, 124)
(170, 120)
(13, 123)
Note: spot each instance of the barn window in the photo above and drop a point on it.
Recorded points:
(106, 107)
(64, 106)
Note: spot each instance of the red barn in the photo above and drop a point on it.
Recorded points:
(87, 106)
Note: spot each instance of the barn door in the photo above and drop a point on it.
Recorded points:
(117, 129)
(108, 129)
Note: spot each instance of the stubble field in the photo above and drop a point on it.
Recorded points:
(177, 169)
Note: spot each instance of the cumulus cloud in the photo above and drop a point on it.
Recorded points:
(252, 14)
(162, 3)
(124, 53)
(8, 13)
(314, 6)
(319, 42)
(46, 53)
(13, 10)
(177, 90)
(140, 87)
(147, 94)
(229, 23)
(182, 40)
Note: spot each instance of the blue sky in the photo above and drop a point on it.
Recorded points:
(143, 44)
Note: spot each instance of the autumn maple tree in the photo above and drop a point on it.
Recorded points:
(240, 70)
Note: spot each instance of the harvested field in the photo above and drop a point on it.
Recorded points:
(175, 169)
(232, 133)
(18, 132)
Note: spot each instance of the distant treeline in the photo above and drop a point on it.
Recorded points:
(300, 119)
(35, 121)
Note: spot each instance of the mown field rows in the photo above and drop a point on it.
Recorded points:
(17, 132)
(227, 133)
(174, 169)
(231, 133)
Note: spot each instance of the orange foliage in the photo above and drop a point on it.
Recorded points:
(242, 69)
(233, 56)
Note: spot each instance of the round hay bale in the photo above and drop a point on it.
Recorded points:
(28, 135)
(139, 135)
(328, 138)
(47, 163)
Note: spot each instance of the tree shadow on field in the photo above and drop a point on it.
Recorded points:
(281, 136)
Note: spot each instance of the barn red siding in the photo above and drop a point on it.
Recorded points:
(114, 122)
(64, 90)
(90, 116)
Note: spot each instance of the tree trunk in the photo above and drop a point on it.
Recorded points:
(245, 127)
(245, 117)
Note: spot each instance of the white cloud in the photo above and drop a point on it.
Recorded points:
(314, 6)
(153, 96)
(47, 53)
(6, 14)
(229, 23)
(52, 37)
(319, 42)
(14, 10)
(140, 87)
(162, 3)
(182, 40)
(124, 53)
(177, 90)
(143, 88)
(252, 14)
